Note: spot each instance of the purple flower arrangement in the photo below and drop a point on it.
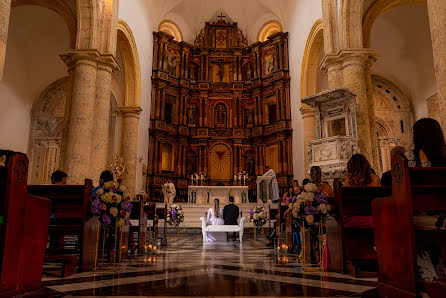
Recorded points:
(257, 216)
(110, 205)
(175, 215)
(310, 207)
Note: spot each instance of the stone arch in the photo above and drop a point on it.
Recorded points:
(47, 119)
(350, 23)
(169, 27)
(130, 60)
(268, 29)
(87, 24)
(377, 9)
(311, 60)
(59, 7)
(309, 78)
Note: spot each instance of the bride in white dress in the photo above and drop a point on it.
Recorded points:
(215, 219)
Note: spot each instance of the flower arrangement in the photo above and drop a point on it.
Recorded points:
(175, 215)
(310, 207)
(257, 216)
(111, 204)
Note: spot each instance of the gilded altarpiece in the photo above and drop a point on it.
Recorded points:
(219, 107)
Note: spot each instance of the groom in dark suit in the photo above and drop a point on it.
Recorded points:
(230, 214)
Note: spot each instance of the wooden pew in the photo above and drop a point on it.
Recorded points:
(355, 245)
(23, 228)
(396, 237)
(71, 207)
(140, 216)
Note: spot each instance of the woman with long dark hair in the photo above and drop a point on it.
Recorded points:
(215, 217)
(360, 173)
(429, 145)
(316, 178)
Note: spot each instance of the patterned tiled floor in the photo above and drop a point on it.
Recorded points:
(227, 269)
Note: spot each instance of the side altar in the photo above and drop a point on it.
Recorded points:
(207, 194)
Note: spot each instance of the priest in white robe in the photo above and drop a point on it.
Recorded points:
(169, 192)
(275, 186)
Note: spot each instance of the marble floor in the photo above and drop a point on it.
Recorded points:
(189, 269)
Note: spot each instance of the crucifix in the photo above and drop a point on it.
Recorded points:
(221, 16)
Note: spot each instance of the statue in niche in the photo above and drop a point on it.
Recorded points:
(248, 118)
(221, 72)
(172, 65)
(249, 72)
(191, 116)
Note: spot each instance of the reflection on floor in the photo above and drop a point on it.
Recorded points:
(226, 269)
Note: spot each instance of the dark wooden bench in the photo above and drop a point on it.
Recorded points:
(396, 237)
(351, 246)
(24, 221)
(69, 263)
(71, 207)
(139, 215)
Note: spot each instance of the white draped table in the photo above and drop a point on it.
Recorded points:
(207, 194)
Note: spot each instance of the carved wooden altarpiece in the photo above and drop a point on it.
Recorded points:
(220, 107)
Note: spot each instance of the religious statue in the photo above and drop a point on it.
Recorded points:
(221, 72)
(169, 192)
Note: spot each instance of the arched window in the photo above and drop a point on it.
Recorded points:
(171, 28)
(268, 29)
(220, 118)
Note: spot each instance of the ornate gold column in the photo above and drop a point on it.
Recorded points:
(5, 9)
(80, 131)
(129, 145)
(100, 151)
(437, 22)
(355, 65)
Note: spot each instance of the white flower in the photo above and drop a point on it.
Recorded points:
(322, 208)
(256, 216)
(122, 188)
(296, 206)
(100, 191)
(295, 213)
(262, 214)
(310, 187)
(310, 219)
(113, 211)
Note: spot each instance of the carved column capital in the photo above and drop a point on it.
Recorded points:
(307, 111)
(130, 111)
(91, 57)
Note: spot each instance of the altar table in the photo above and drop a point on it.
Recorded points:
(207, 194)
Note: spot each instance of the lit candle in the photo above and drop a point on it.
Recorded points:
(154, 248)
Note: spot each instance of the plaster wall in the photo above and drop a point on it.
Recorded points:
(36, 37)
(401, 37)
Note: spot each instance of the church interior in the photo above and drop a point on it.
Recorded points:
(286, 148)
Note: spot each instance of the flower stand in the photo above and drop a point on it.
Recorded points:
(108, 246)
(321, 241)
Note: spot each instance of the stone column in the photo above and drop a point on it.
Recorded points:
(66, 124)
(100, 151)
(129, 145)
(333, 66)
(80, 132)
(355, 68)
(437, 22)
(309, 125)
(5, 8)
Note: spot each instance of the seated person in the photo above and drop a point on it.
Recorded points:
(288, 197)
(359, 175)
(106, 176)
(59, 177)
(296, 187)
(316, 178)
(230, 215)
(215, 217)
(305, 181)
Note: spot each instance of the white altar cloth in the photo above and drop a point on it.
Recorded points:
(201, 194)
